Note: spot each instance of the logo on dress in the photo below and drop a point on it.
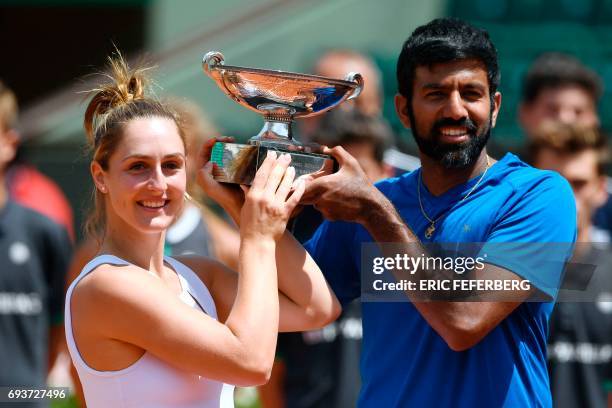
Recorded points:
(19, 253)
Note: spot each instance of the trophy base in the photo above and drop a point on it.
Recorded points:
(237, 163)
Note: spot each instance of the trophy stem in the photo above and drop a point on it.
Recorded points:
(276, 130)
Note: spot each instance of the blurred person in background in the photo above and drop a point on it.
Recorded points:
(34, 254)
(26, 185)
(580, 341)
(560, 88)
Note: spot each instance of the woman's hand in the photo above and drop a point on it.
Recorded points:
(228, 196)
(268, 203)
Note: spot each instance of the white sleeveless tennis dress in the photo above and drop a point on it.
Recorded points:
(149, 382)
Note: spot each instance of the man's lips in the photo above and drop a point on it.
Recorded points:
(453, 134)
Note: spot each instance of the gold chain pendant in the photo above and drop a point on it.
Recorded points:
(430, 230)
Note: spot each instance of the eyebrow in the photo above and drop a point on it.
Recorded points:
(144, 156)
(469, 85)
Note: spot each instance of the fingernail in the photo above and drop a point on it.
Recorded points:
(287, 157)
(271, 153)
(291, 169)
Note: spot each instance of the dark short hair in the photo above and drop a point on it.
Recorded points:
(565, 138)
(445, 40)
(556, 70)
(344, 126)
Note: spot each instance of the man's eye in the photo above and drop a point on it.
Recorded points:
(472, 95)
(435, 94)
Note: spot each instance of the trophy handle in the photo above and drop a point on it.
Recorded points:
(354, 77)
(211, 60)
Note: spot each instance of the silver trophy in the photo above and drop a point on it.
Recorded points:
(280, 97)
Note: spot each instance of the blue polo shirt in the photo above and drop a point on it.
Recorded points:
(404, 362)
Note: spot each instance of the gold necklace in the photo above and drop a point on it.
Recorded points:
(432, 223)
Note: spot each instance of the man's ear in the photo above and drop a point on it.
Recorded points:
(602, 191)
(497, 99)
(97, 173)
(401, 108)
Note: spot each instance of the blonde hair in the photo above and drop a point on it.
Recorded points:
(8, 107)
(113, 105)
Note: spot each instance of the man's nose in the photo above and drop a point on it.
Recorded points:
(567, 116)
(454, 107)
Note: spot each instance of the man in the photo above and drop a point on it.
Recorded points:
(34, 254)
(448, 353)
(559, 88)
(580, 340)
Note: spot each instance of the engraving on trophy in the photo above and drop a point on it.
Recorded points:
(280, 97)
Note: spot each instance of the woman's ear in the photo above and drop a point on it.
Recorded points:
(97, 173)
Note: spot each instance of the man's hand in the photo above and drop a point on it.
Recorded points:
(345, 195)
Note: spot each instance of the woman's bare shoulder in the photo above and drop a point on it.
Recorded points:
(108, 282)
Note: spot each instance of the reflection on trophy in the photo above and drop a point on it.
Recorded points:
(280, 97)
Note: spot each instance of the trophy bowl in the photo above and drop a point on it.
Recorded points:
(280, 97)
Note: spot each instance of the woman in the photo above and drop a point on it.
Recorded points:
(148, 330)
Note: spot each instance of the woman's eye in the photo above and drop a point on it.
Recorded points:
(173, 165)
(137, 166)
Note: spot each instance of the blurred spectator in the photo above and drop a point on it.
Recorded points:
(560, 88)
(321, 368)
(34, 254)
(338, 63)
(26, 185)
(580, 339)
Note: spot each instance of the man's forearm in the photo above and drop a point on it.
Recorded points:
(384, 223)
(460, 324)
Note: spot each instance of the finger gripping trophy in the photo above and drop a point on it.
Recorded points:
(280, 97)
